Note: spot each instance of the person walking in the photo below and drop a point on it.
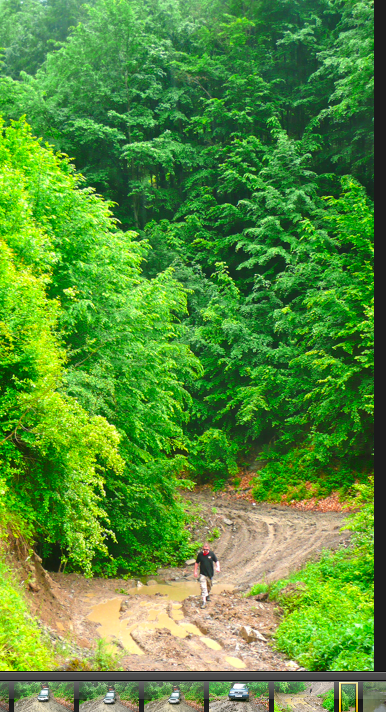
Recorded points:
(205, 562)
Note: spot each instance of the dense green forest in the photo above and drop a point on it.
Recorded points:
(186, 263)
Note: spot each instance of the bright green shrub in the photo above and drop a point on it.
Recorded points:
(22, 645)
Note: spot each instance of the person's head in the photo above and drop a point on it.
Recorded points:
(205, 549)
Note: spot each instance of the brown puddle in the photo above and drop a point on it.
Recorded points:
(235, 662)
(110, 625)
(176, 590)
(149, 615)
(211, 643)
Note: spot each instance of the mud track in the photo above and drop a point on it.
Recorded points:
(31, 704)
(230, 706)
(97, 705)
(158, 630)
(267, 541)
(164, 706)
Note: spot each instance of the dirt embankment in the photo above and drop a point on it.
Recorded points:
(31, 704)
(157, 629)
(45, 596)
(164, 706)
(308, 701)
(97, 705)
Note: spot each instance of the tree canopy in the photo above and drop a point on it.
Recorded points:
(187, 261)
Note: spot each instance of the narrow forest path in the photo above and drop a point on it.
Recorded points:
(161, 626)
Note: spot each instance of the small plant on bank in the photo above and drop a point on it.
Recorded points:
(258, 588)
(214, 535)
(105, 657)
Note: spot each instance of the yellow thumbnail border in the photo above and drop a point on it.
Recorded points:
(356, 694)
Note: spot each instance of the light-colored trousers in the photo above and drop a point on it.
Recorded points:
(206, 585)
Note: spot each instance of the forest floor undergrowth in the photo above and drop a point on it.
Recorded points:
(158, 624)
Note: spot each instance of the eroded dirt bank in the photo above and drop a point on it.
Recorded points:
(161, 626)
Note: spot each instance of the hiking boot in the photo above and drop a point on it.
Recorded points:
(203, 604)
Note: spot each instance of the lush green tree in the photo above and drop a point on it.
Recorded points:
(289, 687)
(29, 30)
(52, 450)
(85, 338)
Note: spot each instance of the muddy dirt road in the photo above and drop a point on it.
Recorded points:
(97, 705)
(160, 626)
(31, 704)
(266, 540)
(164, 706)
(307, 701)
(229, 706)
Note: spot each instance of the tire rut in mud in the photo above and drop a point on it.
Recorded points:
(230, 706)
(266, 541)
(31, 704)
(164, 706)
(97, 705)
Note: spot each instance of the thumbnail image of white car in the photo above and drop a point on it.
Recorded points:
(44, 694)
(95, 696)
(37, 696)
(239, 691)
(175, 698)
(238, 696)
(159, 696)
(110, 696)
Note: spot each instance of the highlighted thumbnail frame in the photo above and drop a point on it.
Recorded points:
(352, 685)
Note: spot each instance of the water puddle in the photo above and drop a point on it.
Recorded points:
(177, 613)
(235, 662)
(110, 626)
(148, 615)
(177, 590)
(191, 628)
(164, 621)
(211, 643)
